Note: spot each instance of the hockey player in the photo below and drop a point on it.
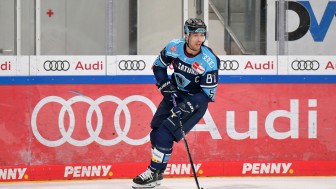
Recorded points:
(193, 84)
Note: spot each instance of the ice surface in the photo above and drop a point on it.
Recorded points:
(188, 183)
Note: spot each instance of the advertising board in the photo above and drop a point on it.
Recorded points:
(272, 116)
(310, 27)
(94, 130)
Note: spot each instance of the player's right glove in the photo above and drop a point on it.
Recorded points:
(183, 109)
(167, 88)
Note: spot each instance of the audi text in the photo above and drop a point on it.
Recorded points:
(269, 65)
(89, 66)
(5, 66)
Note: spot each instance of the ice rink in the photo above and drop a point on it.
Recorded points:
(183, 183)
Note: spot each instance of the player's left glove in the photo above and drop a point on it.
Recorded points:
(183, 109)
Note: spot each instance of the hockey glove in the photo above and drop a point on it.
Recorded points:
(183, 109)
(167, 89)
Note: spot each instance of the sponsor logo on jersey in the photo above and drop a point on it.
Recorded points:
(187, 69)
(198, 68)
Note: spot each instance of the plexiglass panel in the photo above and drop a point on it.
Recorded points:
(133, 27)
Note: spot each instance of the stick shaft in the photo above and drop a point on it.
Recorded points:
(186, 145)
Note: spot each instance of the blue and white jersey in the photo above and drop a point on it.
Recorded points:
(191, 74)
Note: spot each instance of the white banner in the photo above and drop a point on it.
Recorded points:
(130, 65)
(142, 65)
(248, 65)
(14, 65)
(308, 65)
(67, 65)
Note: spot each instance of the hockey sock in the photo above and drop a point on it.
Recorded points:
(162, 149)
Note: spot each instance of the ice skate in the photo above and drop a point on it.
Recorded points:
(160, 178)
(147, 179)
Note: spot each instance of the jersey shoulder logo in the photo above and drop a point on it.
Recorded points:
(208, 60)
(173, 48)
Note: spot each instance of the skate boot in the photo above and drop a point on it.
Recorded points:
(160, 177)
(147, 179)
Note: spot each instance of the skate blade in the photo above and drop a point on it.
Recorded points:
(138, 186)
(142, 187)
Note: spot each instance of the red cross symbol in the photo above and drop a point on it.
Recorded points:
(50, 13)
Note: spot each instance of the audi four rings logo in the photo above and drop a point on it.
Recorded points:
(56, 65)
(94, 132)
(305, 65)
(229, 65)
(132, 65)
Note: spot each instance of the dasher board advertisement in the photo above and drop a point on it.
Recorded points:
(310, 27)
(81, 131)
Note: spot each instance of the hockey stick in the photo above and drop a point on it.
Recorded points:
(186, 144)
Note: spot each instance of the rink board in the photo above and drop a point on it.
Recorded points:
(101, 130)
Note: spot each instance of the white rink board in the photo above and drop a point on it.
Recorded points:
(67, 65)
(125, 65)
(14, 65)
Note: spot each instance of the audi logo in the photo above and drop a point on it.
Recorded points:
(305, 65)
(132, 65)
(66, 107)
(229, 65)
(56, 65)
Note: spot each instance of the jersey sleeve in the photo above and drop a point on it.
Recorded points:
(209, 80)
(165, 58)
